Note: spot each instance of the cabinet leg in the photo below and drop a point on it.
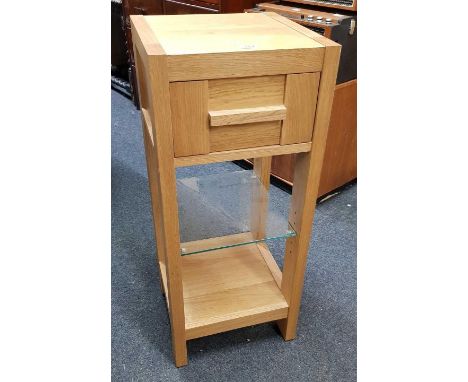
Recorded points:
(287, 327)
(301, 216)
(306, 183)
(161, 170)
(179, 347)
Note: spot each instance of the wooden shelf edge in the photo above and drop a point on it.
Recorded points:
(254, 152)
(273, 314)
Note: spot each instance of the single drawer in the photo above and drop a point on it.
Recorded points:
(235, 113)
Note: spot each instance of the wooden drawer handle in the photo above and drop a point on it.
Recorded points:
(248, 115)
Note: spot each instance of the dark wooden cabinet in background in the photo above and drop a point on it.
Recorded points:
(119, 60)
(180, 7)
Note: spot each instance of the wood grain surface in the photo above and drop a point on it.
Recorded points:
(300, 100)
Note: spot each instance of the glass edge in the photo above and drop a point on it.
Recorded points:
(285, 236)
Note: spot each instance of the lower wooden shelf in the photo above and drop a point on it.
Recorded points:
(231, 288)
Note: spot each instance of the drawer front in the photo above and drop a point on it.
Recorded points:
(235, 113)
(177, 7)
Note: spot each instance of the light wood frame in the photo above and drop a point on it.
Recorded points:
(154, 80)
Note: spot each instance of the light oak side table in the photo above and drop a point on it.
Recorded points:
(216, 88)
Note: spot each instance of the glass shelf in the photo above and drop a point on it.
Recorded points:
(225, 210)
